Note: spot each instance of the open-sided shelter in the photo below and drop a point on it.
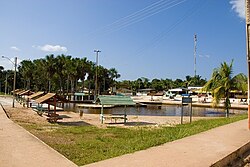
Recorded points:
(30, 99)
(36, 95)
(51, 99)
(25, 93)
(116, 101)
(21, 96)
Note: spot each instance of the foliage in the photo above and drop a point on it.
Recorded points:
(161, 84)
(62, 74)
(222, 83)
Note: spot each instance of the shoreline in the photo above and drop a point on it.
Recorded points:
(194, 104)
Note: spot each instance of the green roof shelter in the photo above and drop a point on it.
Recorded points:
(116, 101)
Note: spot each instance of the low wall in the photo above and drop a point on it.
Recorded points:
(236, 158)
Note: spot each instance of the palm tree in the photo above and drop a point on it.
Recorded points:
(26, 69)
(220, 84)
(49, 63)
(240, 81)
(113, 74)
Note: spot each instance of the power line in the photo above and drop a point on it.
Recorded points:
(138, 16)
(144, 15)
(162, 35)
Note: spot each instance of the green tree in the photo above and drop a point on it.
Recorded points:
(26, 69)
(240, 81)
(220, 84)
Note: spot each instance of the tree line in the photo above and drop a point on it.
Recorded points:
(61, 74)
(161, 84)
(66, 74)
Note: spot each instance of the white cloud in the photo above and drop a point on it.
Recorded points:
(204, 56)
(239, 7)
(14, 48)
(51, 48)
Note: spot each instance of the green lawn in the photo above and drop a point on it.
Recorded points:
(88, 144)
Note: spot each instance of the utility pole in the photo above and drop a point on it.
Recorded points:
(195, 43)
(96, 74)
(6, 84)
(14, 82)
(248, 53)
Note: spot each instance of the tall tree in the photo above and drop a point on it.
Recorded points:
(220, 84)
(50, 64)
(26, 69)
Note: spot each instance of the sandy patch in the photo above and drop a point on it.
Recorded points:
(27, 115)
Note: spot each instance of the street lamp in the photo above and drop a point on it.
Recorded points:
(14, 83)
(97, 51)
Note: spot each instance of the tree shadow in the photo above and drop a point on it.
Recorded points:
(64, 116)
(131, 123)
(76, 123)
(138, 123)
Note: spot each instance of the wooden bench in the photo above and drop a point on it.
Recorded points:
(53, 117)
(116, 117)
(39, 112)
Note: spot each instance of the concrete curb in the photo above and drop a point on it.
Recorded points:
(5, 111)
(235, 158)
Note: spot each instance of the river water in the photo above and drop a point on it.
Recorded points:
(156, 110)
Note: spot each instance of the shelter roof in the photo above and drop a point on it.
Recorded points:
(35, 95)
(178, 89)
(19, 92)
(115, 100)
(49, 98)
(26, 92)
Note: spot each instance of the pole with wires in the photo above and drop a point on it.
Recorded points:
(248, 53)
(195, 43)
(96, 73)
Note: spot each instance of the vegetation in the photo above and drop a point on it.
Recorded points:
(64, 74)
(161, 84)
(88, 144)
(222, 83)
(59, 74)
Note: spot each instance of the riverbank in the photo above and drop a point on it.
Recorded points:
(235, 105)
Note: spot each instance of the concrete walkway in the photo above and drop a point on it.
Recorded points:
(202, 149)
(19, 148)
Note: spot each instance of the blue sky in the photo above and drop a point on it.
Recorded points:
(140, 38)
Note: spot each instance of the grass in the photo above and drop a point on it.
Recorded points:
(88, 144)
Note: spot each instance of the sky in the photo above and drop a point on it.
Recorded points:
(139, 38)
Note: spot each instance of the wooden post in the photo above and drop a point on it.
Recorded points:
(247, 7)
(191, 112)
(55, 104)
(48, 108)
(125, 115)
(182, 113)
(101, 114)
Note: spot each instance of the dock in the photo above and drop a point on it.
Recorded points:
(94, 106)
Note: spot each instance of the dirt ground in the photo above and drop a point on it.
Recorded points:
(27, 115)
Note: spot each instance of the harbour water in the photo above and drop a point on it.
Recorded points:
(156, 110)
